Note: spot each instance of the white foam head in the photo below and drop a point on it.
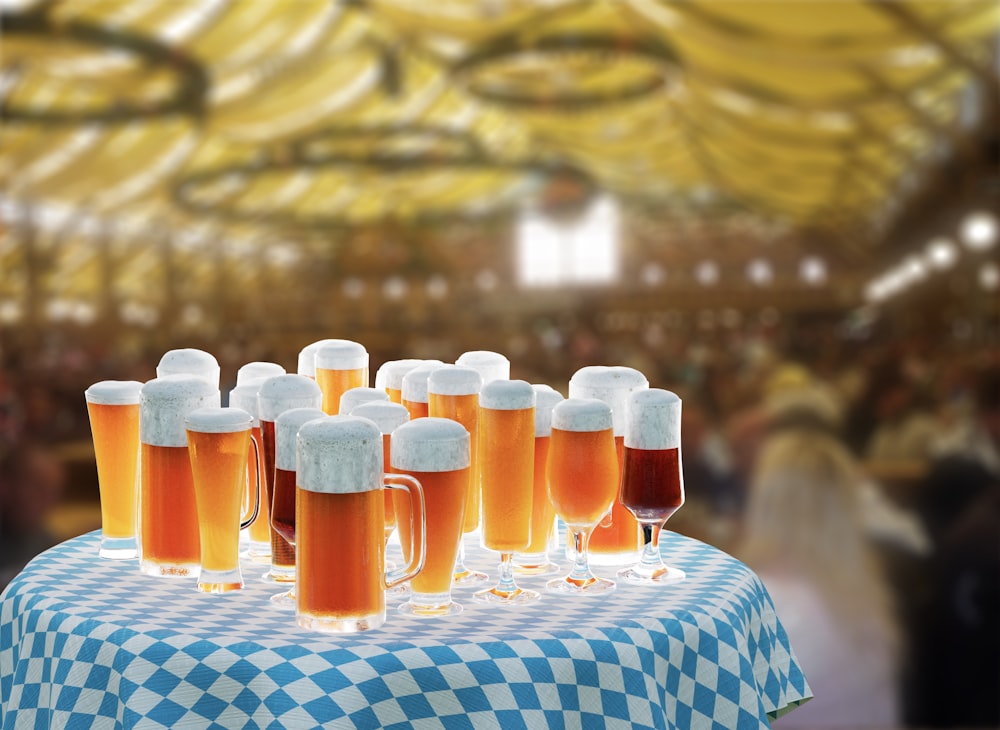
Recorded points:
(611, 384)
(388, 416)
(114, 393)
(257, 372)
(354, 397)
(245, 397)
(654, 420)
(286, 430)
(218, 420)
(284, 392)
(507, 395)
(390, 374)
(343, 355)
(339, 455)
(415, 382)
(307, 357)
(165, 402)
(545, 400)
(430, 444)
(582, 414)
(491, 365)
(454, 380)
(189, 361)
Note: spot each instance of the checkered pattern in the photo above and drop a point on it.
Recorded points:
(93, 643)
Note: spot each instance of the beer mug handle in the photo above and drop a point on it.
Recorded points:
(256, 477)
(418, 528)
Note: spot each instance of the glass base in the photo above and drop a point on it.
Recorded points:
(278, 576)
(118, 548)
(169, 570)
(258, 552)
(285, 601)
(426, 605)
(466, 577)
(340, 625)
(580, 587)
(636, 575)
(542, 567)
(400, 592)
(507, 598)
(220, 581)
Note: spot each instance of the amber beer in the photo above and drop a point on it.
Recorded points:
(414, 392)
(113, 406)
(218, 439)
(583, 481)
(339, 368)
(435, 451)
(652, 482)
(534, 560)
(616, 540)
(388, 416)
(244, 396)
(277, 395)
(340, 586)
(169, 543)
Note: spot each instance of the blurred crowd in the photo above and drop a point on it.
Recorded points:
(860, 480)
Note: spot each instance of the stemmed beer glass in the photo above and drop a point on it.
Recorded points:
(583, 482)
(652, 481)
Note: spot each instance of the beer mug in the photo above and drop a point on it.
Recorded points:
(340, 367)
(436, 452)
(244, 396)
(218, 440)
(354, 397)
(189, 361)
(169, 542)
(341, 578)
(113, 406)
(388, 416)
(307, 357)
(275, 396)
(617, 540)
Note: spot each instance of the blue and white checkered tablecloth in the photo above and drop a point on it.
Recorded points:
(91, 643)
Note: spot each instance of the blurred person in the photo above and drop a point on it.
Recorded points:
(906, 427)
(32, 481)
(805, 536)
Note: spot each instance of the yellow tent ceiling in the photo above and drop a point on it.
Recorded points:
(259, 120)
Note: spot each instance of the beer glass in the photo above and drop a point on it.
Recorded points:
(286, 429)
(113, 406)
(534, 560)
(169, 544)
(218, 440)
(388, 416)
(354, 397)
(389, 377)
(506, 466)
(257, 372)
(342, 581)
(436, 452)
(414, 389)
(616, 541)
(340, 367)
(275, 396)
(307, 357)
(583, 482)
(189, 361)
(453, 392)
(491, 365)
(259, 533)
(652, 480)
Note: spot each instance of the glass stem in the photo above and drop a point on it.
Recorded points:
(581, 567)
(506, 582)
(651, 562)
(460, 558)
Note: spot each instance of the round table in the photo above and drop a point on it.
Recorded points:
(86, 642)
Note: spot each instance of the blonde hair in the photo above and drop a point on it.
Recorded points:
(804, 516)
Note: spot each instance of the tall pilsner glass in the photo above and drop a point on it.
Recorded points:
(342, 581)
(653, 481)
(169, 543)
(277, 395)
(506, 465)
(453, 393)
(286, 430)
(583, 482)
(534, 559)
(339, 368)
(113, 406)
(616, 540)
(389, 377)
(435, 451)
(414, 389)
